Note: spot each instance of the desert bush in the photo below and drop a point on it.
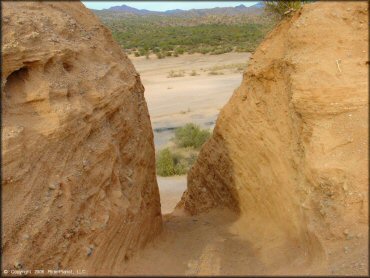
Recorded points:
(191, 135)
(221, 50)
(173, 74)
(169, 163)
(193, 73)
(282, 8)
(142, 52)
(179, 50)
(215, 72)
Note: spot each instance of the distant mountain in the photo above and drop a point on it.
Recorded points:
(176, 11)
(128, 9)
(124, 9)
(260, 5)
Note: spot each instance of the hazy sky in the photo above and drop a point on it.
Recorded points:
(164, 5)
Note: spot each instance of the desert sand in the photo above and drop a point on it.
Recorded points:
(170, 191)
(173, 102)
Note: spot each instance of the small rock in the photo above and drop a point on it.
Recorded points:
(54, 185)
(18, 265)
(90, 250)
(346, 232)
(129, 173)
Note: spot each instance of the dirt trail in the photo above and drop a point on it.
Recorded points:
(196, 245)
(207, 244)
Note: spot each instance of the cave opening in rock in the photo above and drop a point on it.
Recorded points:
(185, 95)
(15, 81)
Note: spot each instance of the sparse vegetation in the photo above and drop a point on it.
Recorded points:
(193, 73)
(282, 8)
(176, 35)
(191, 135)
(215, 72)
(238, 67)
(173, 74)
(178, 159)
(169, 163)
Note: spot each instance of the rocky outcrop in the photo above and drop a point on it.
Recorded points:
(290, 149)
(79, 187)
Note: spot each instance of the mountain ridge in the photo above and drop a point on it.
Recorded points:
(131, 10)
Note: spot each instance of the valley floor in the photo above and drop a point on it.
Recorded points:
(175, 101)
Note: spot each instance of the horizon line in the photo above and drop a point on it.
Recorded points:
(167, 5)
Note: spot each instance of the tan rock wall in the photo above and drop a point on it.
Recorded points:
(290, 148)
(79, 187)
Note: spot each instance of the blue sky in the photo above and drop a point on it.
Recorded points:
(164, 5)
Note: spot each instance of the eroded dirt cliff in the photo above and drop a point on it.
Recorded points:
(289, 151)
(79, 187)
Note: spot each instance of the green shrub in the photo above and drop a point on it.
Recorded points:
(282, 8)
(142, 52)
(173, 74)
(215, 72)
(193, 73)
(191, 135)
(170, 164)
(179, 50)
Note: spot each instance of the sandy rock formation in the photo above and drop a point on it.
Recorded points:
(290, 148)
(79, 186)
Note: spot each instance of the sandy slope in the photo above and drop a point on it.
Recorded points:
(289, 154)
(290, 149)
